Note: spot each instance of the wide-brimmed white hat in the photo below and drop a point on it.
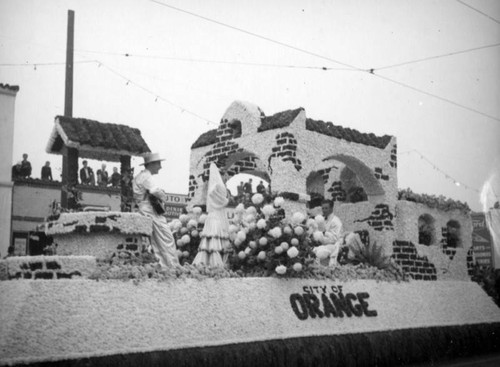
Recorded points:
(152, 157)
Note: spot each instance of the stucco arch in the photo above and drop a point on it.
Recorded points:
(371, 185)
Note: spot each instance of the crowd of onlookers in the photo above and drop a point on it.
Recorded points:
(23, 169)
(245, 191)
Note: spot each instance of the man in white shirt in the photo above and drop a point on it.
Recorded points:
(144, 185)
(333, 225)
(332, 233)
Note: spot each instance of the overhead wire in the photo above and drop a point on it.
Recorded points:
(478, 11)
(45, 63)
(257, 35)
(194, 60)
(370, 71)
(436, 57)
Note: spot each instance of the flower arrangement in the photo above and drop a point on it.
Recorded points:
(265, 243)
(439, 202)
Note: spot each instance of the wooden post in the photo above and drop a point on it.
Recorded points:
(126, 183)
(68, 96)
(69, 173)
(70, 155)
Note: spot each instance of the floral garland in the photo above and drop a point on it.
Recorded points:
(438, 202)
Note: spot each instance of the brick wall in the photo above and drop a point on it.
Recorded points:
(286, 149)
(49, 267)
(380, 218)
(193, 186)
(379, 174)
(337, 192)
(417, 267)
(243, 165)
(394, 156)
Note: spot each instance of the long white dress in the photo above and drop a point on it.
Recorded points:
(215, 233)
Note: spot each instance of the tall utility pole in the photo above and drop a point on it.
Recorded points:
(70, 155)
(68, 94)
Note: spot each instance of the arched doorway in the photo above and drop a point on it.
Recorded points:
(352, 181)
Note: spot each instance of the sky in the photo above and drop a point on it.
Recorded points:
(434, 83)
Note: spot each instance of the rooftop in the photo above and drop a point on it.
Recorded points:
(96, 140)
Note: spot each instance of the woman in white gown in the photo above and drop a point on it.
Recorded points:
(215, 234)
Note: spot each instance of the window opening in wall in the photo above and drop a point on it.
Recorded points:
(426, 235)
(352, 186)
(243, 185)
(453, 234)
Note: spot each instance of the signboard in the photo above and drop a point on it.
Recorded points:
(481, 240)
(173, 211)
(20, 245)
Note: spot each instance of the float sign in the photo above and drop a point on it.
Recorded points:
(481, 240)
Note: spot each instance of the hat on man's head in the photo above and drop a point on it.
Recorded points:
(152, 157)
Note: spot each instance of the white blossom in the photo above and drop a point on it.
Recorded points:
(278, 201)
(202, 218)
(240, 208)
(192, 223)
(318, 236)
(278, 250)
(275, 232)
(257, 199)
(287, 230)
(242, 255)
(299, 231)
(186, 239)
(281, 269)
(292, 252)
(297, 267)
(298, 218)
(284, 245)
(261, 255)
(263, 241)
(197, 210)
(294, 242)
(268, 210)
(261, 223)
(184, 218)
(252, 244)
(251, 210)
(241, 235)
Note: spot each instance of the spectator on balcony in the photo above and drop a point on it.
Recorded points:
(16, 170)
(115, 178)
(46, 172)
(25, 167)
(102, 176)
(86, 174)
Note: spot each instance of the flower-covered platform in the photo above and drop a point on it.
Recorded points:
(99, 234)
(243, 321)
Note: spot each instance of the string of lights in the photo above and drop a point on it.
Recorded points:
(436, 96)
(156, 96)
(445, 174)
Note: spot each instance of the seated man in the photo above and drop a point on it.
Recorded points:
(46, 172)
(143, 186)
(102, 176)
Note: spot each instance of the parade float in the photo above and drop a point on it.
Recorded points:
(404, 296)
